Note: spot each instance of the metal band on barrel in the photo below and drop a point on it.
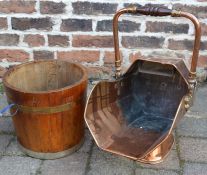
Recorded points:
(47, 110)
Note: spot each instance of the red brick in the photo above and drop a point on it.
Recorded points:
(156, 54)
(142, 41)
(89, 8)
(58, 40)
(166, 27)
(21, 6)
(32, 23)
(128, 26)
(134, 56)
(50, 7)
(79, 55)
(2, 71)
(185, 44)
(124, 26)
(92, 41)
(202, 61)
(43, 54)
(146, 5)
(97, 73)
(14, 55)
(180, 44)
(204, 28)
(3, 23)
(109, 57)
(69, 25)
(198, 11)
(9, 39)
(34, 40)
(168, 54)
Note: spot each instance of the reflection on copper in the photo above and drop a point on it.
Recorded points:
(135, 114)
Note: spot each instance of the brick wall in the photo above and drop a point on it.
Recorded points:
(82, 31)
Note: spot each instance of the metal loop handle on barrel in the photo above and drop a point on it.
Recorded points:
(157, 11)
(5, 109)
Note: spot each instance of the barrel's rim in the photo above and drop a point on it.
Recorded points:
(8, 85)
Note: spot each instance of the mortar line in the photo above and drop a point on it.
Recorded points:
(158, 169)
(15, 155)
(88, 161)
(10, 141)
(196, 162)
(194, 116)
(191, 137)
(181, 162)
(3, 152)
(39, 170)
(7, 133)
(135, 167)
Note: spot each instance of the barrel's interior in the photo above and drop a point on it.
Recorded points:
(136, 112)
(44, 75)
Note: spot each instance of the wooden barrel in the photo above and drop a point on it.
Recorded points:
(49, 98)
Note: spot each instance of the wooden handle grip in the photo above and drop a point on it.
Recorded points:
(154, 11)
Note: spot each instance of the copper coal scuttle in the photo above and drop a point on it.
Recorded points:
(135, 114)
